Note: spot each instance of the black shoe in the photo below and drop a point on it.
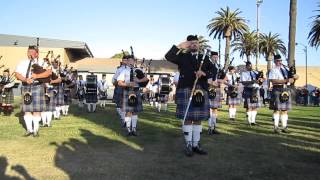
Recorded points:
(27, 134)
(129, 133)
(209, 131)
(285, 130)
(36, 134)
(276, 130)
(214, 131)
(253, 124)
(188, 150)
(199, 150)
(134, 133)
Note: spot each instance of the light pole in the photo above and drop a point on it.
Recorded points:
(306, 57)
(258, 52)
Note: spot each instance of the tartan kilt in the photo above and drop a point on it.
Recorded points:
(216, 102)
(67, 96)
(275, 103)
(60, 96)
(117, 96)
(38, 103)
(124, 101)
(247, 93)
(53, 100)
(9, 97)
(194, 113)
(234, 101)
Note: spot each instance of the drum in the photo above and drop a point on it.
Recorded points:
(164, 85)
(91, 89)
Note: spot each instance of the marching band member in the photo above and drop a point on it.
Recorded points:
(251, 94)
(67, 84)
(215, 94)
(233, 94)
(46, 114)
(102, 90)
(58, 97)
(163, 92)
(186, 55)
(117, 93)
(280, 103)
(32, 90)
(91, 92)
(131, 97)
(6, 92)
(81, 91)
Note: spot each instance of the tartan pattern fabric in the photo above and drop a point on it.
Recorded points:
(247, 94)
(38, 101)
(67, 96)
(117, 96)
(234, 101)
(194, 113)
(216, 102)
(59, 98)
(124, 101)
(275, 103)
(53, 100)
(7, 96)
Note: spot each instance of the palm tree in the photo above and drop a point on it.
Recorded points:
(227, 25)
(203, 43)
(270, 45)
(292, 32)
(246, 44)
(314, 34)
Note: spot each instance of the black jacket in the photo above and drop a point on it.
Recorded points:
(188, 65)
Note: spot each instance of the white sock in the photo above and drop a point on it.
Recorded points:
(156, 104)
(28, 122)
(214, 120)
(134, 121)
(128, 123)
(210, 121)
(166, 107)
(159, 107)
(234, 111)
(196, 130)
(253, 116)
(67, 109)
(284, 120)
(187, 131)
(276, 118)
(49, 118)
(230, 112)
(44, 117)
(249, 116)
(36, 120)
(58, 109)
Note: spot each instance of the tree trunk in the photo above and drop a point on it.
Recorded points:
(292, 31)
(226, 53)
(269, 60)
(248, 57)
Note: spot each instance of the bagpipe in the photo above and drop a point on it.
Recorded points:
(285, 94)
(317, 93)
(138, 73)
(233, 89)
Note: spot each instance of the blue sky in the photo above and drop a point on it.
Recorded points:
(151, 27)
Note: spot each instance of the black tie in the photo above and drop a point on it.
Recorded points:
(283, 73)
(251, 76)
(233, 83)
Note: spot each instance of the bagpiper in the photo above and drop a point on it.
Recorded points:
(6, 92)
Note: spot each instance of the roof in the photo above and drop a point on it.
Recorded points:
(74, 47)
(109, 65)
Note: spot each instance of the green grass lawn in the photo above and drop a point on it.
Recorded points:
(93, 146)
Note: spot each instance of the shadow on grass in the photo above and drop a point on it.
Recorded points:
(240, 152)
(17, 168)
